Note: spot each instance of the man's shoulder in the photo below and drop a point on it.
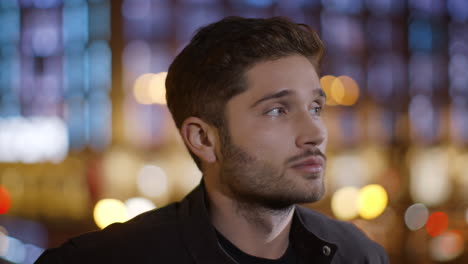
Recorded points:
(351, 241)
(151, 232)
(140, 228)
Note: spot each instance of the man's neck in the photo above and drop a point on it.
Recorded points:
(255, 230)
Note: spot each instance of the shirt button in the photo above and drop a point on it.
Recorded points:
(326, 250)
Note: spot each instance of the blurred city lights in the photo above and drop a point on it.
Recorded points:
(150, 88)
(373, 200)
(348, 169)
(152, 181)
(416, 216)
(157, 88)
(458, 10)
(429, 181)
(344, 203)
(109, 211)
(446, 247)
(422, 118)
(119, 168)
(45, 40)
(326, 83)
(16, 252)
(32, 140)
(136, 9)
(351, 90)
(341, 90)
(138, 205)
(437, 223)
(137, 58)
(141, 89)
(337, 90)
(5, 200)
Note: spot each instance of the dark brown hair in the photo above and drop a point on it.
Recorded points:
(210, 69)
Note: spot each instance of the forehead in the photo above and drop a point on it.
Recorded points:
(293, 72)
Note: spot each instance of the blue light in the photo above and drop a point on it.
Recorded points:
(73, 74)
(75, 25)
(46, 3)
(10, 24)
(45, 40)
(458, 9)
(75, 117)
(100, 122)
(70, 3)
(9, 65)
(420, 36)
(99, 66)
(8, 4)
(9, 106)
(99, 21)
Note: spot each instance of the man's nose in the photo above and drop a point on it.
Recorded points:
(311, 131)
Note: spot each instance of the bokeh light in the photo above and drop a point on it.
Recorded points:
(429, 176)
(138, 205)
(373, 200)
(337, 90)
(326, 83)
(351, 90)
(157, 88)
(109, 211)
(348, 169)
(141, 89)
(416, 216)
(33, 139)
(342, 90)
(150, 88)
(437, 223)
(344, 203)
(152, 181)
(5, 200)
(446, 247)
(16, 252)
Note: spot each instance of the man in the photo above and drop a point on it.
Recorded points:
(246, 97)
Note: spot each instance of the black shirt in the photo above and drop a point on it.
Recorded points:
(182, 233)
(289, 257)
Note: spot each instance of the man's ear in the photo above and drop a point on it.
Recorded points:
(200, 138)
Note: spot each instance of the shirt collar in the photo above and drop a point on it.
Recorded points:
(200, 238)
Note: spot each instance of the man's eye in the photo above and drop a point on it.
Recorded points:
(276, 111)
(316, 110)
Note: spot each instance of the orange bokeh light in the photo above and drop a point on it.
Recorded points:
(437, 223)
(5, 200)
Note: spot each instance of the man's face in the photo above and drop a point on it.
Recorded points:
(274, 137)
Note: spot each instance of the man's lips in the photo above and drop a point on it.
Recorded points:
(313, 164)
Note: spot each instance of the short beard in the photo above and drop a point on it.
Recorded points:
(245, 179)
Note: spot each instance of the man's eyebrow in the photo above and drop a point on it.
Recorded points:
(283, 93)
(276, 95)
